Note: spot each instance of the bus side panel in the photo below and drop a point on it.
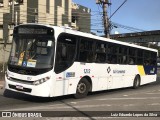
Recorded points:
(99, 71)
(122, 75)
(67, 81)
(89, 70)
(61, 87)
(128, 80)
(148, 74)
(61, 84)
(148, 79)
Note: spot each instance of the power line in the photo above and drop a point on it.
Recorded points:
(126, 27)
(94, 17)
(118, 8)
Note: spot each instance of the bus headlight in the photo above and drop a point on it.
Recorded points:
(7, 76)
(40, 81)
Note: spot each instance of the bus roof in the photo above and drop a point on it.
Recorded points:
(89, 35)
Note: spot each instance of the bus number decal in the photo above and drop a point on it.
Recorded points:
(87, 71)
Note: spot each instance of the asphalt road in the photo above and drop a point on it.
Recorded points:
(145, 98)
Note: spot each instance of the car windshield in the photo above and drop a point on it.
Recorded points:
(32, 52)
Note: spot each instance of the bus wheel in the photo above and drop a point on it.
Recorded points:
(82, 88)
(136, 82)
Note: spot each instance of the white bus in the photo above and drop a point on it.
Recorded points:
(50, 61)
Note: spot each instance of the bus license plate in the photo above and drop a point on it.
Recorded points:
(19, 87)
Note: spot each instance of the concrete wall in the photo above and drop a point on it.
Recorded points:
(3, 10)
(1, 34)
(50, 14)
(4, 55)
(82, 17)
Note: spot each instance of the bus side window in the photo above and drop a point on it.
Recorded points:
(146, 62)
(101, 52)
(131, 61)
(64, 51)
(90, 57)
(86, 50)
(124, 59)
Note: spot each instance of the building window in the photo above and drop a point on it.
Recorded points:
(1, 4)
(47, 6)
(74, 19)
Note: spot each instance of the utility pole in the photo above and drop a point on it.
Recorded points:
(12, 11)
(104, 4)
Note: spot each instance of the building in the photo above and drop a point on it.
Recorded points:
(81, 18)
(53, 12)
(139, 37)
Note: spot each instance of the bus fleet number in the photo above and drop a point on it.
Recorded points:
(87, 70)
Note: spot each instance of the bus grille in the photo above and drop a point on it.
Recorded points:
(23, 90)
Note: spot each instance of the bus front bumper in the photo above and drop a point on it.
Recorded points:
(42, 90)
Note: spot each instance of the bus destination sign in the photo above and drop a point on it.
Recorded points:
(28, 30)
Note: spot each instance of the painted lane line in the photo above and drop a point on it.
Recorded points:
(140, 98)
(31, 108)
(154, 104)
(59, 106)
(125, 95)
(55, 108)
(153, 93)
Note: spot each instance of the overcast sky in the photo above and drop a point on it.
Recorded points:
(142, 14)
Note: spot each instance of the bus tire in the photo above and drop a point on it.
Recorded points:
(136, 82)
(82, 88)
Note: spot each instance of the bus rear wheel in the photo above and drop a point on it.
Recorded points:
(82, 88)
(136, 82)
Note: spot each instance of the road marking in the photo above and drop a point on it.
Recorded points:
(142, 92)
(31, 108)
(154, 104)
(125, 95)
(53, 107)
(73, 102)
(81, 101)
(153, 93)
(128, 105)
(65, 106)
(140, 98)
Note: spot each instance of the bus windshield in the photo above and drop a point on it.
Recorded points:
(30, 51)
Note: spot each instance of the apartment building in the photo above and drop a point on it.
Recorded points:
(53, 12)
(81, 18)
